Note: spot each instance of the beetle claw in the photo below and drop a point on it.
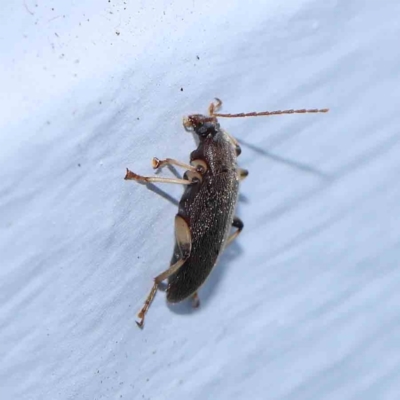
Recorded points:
(135, 177)
(139, 324)
(155, 163)
(140, 320)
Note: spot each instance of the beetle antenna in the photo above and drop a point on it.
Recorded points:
(267, 113)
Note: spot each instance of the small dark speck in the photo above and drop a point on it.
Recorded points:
(138, 118)
(79, 165)
(181, 89)
(198, 57)
(118, 33)
(100, 103)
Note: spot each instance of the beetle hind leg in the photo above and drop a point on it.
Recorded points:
(184, 242)
(157, 280)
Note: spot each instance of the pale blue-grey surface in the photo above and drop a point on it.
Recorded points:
(305, 305)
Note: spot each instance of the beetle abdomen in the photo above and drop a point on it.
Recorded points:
(209, 208)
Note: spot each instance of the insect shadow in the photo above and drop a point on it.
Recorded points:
(294, 164)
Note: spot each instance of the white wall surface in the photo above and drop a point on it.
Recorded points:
(305, 305)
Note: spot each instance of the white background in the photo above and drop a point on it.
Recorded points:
(305, 305)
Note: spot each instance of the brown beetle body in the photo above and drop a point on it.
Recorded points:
(207, 207)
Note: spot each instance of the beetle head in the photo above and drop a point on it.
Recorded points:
(201, 125)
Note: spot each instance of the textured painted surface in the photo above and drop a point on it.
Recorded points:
(305, 305)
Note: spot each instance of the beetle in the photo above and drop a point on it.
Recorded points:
(206, 211)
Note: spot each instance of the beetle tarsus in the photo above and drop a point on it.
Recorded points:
(142, 313)
(135, 177)
(140, 322)
(155, 163)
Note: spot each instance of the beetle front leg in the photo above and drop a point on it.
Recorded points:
(214, 107)
(156, 163)
(184, 242)
(147, 179)
(237, 223)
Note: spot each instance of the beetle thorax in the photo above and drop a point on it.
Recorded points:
(218, 152)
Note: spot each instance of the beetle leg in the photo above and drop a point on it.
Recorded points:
(156, 163)
(242, 173)
(237, 223)
(157, 280)
(147, 179)
(195, 300)
(184, 242)
(214, 107)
